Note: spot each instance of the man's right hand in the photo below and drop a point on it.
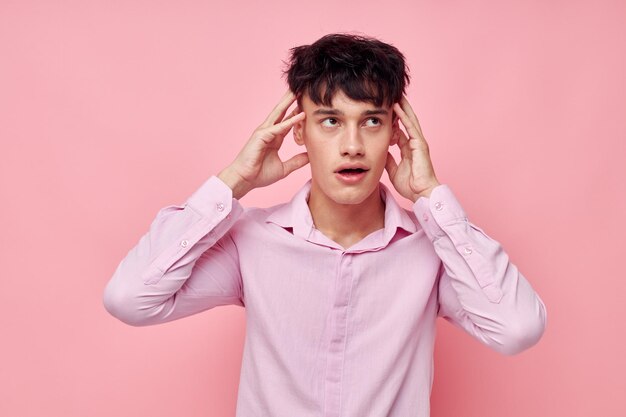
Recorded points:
(258, 163)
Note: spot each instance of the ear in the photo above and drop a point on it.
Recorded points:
(298, 129)
(395, 129)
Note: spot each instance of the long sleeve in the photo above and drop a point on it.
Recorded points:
(480, 289)
(185, 263)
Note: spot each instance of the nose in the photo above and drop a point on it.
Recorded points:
(352, 142)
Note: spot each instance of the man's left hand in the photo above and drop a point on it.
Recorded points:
(414, 176)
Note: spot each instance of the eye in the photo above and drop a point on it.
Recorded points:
(329, 119)
(375, 119)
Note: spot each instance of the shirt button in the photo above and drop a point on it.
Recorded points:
(425, 217)
(220, 207)
(184, 243)
(468, 250)
(438, 205)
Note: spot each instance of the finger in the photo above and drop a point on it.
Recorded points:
(281, 136)
(406, 106)
(391, 166)
(276, 133)
(295, 162)
(286, 124)
(292, 113)
(402, 138)
(403, 144)
(282, 117)
(279, 111)
(408, 123)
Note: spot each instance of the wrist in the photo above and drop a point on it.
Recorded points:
(426, 192)
(239, 186)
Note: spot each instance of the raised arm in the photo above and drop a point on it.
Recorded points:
(184, 264)
(187, 262)
(480, 290)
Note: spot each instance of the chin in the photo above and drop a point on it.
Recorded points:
(349, 200)
(352, 195)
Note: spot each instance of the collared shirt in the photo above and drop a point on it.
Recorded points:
(329, 331)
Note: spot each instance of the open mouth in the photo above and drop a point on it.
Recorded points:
(351, 171)
(351, 175)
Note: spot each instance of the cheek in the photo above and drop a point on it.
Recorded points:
(317, 146)
(382, 146)
(317, 158)
(379, 154)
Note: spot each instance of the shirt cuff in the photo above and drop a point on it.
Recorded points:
(439, 209)
(206, 216)
(213, 199)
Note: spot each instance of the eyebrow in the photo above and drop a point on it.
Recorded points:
(334, 112)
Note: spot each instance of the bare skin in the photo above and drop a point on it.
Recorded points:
(258, 163)
(344, 216)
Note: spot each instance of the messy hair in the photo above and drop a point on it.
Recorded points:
(364, 68)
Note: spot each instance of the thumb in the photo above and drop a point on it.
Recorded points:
(295, 162)
(391, 166)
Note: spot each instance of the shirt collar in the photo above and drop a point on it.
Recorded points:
(296, 215)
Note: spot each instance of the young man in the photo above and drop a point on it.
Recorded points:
(341, 285)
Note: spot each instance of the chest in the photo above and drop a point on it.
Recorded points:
(290, 276)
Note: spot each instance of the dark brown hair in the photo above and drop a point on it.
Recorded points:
(364, 68)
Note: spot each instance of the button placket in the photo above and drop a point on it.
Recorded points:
(338, 335)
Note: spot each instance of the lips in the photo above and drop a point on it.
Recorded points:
(351, 169)
(351, 173)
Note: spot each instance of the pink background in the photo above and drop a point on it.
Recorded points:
(110, 110)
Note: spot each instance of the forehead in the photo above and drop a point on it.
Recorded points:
(343, 104)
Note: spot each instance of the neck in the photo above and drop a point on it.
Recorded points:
(346, 224)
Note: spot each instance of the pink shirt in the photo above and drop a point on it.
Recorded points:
(329, 332)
